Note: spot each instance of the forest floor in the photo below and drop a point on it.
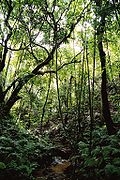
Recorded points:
(60, 167)
(58, 153)
(64, 161)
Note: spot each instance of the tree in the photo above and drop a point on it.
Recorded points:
(25, 23)
(103, 12)
(36, 39)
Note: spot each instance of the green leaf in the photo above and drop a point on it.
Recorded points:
(111, 169)
(2, 165)
(91, 162)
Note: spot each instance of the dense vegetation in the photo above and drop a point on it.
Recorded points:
(59, 89)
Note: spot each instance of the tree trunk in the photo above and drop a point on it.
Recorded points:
(105, 103)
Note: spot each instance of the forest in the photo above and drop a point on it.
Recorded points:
(59, 89)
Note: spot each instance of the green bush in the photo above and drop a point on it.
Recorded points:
(23, 152)
(104, 160)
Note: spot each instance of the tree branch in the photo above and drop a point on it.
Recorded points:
(2, 62)
(22, 81)
(60, 67)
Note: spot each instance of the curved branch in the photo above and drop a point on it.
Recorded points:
(22, 81)
(36, 44)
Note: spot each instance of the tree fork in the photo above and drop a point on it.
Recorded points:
(6, 105)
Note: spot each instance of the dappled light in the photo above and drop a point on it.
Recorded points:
(59, 90)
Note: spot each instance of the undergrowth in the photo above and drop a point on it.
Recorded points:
(103, 162)
(20, 151)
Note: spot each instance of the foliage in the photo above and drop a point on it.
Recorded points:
(21, 150)
(59, 74)
(104, 161)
